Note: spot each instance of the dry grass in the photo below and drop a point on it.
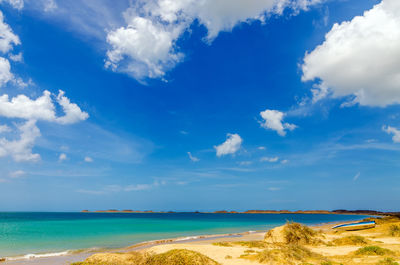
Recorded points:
(296, 233)
(373, 251)
(387, 261)
(350, 240)
(394, 230)
(251, 244)
(223, 244)
(172, 257)
(285, 254)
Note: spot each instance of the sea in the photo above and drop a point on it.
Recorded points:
(25, 235)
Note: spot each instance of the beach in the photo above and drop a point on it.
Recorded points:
(316, 245)
(239, 248)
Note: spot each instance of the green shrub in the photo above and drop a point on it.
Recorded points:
(296, 233)
(387, 261)
(350, 240)
(373, 251)
(394, 230)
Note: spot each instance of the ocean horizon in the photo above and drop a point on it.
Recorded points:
(32, 234)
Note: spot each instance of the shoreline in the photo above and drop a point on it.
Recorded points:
(69, 256)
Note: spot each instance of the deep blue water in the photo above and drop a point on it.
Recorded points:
(27, 232)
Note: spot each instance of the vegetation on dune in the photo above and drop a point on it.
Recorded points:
(172, 257)
(296, 233)
(394, 230)
(284, 254)
(252, 244)
(222, 244)
(180, 257)
(350, 240)
(373, 251)
(387, 261)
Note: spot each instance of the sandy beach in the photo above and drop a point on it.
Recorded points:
(309, 245)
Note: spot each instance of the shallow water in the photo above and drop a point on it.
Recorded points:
(27, 232)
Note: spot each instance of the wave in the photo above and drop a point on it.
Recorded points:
(42, 255)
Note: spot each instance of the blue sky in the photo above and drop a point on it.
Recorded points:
(185, 106)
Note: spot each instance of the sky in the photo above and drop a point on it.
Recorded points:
(199, 105)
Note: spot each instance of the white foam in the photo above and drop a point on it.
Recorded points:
(187, 238)
(35, 256)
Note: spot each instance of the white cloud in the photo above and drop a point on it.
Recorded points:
(118, 188)
(62, 157)
(21, 149)
(138, 187)
(356, 176)
(143, 49)
(285, 161)
(7, 37)
(16, 57)
(394, 131)
(49, 5)
(72, 112)
(274, 121)
(146, 46)
(18, 4)
(4, 128)
(41, 108)
(193, 158)
(17, 174)
(261, 148)
(230, 146)
(245, 163)
(269, 159)
(360, 58)
(88, 159)
(5, 71)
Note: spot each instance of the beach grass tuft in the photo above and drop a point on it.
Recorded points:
(350, 240)
(394, 230)
(387, 261)
(222, 244)
(284, 254)
(172, 257)
(373, 251)
(252, 244)
(296, 233)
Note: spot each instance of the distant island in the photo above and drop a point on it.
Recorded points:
(361, 212)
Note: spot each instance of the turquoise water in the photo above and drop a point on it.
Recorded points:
(23, 233)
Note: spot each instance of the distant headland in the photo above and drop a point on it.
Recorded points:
(361, 212)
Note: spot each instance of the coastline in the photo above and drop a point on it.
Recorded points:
(70, 256)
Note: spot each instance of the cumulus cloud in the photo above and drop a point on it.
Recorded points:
(359, 58)
(193, 158)
(273, 120)
(72, 112)
(16, 57)
(269, 159)
(5, 71)
(62, 157)
(32, 110)
(230, 146)
(41, 108)
(7, 37)
(394, 131)
(147, 45)
(21, 149)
